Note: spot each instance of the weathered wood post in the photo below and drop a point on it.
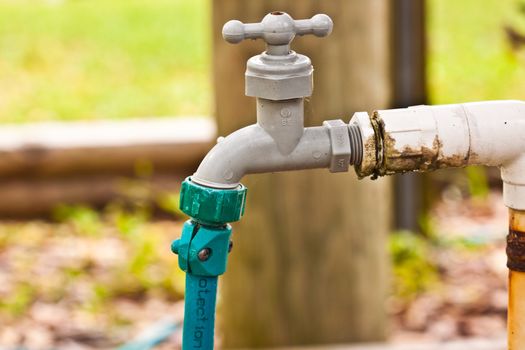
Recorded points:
(309, 263)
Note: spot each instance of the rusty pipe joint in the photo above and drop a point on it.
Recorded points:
(426, 138)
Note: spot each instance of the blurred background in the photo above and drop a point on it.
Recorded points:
(105, 106)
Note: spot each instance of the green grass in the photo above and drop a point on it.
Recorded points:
(470, 57)
(413, 268)
(65, 60)
(91, 59)
(49, 262)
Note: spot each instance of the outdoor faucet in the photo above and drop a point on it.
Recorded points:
(420, 138)
(280, 79)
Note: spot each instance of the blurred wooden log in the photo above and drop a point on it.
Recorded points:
(103, 147)
(309, 264)
(45, 164)
(22, 199)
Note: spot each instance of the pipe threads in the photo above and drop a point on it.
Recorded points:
(356, 144)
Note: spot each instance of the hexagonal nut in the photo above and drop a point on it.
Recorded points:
(340, 143)
(278, 87)
(279, 77)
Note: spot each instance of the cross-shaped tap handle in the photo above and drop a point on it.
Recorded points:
(277, 28)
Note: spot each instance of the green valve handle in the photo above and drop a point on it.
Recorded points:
(203, 254)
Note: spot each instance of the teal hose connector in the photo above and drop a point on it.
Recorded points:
(203, 254)
(212, 206)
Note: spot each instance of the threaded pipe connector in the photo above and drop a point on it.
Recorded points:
(356, 144)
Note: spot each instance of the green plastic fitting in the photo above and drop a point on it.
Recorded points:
(212, 206)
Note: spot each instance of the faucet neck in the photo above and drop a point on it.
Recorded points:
(283, 120)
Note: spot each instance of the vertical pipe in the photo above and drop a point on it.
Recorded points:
(408, 61)
(199, 312)
(516, 265)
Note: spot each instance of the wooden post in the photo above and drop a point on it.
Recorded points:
(309, 263)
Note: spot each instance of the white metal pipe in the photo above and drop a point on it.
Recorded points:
(423, 138)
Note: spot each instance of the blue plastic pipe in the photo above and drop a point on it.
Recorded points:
(199, 312)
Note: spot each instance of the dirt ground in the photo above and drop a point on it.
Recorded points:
(63, 286)
(470, 298)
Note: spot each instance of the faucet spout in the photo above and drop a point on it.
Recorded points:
(253, 150)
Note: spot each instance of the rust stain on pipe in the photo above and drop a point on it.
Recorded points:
(406, 158)
(516, 264)
(394, 158)
(516, 241)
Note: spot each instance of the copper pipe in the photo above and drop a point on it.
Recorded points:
(516, 265)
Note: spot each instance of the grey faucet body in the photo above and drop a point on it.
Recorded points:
(266, 146)
(280, 79)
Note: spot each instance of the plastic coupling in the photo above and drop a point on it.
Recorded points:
(212, 206)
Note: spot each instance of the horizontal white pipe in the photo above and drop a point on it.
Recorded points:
(423, 138)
